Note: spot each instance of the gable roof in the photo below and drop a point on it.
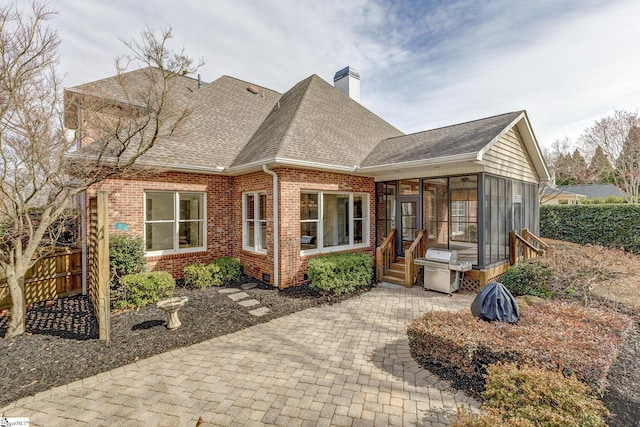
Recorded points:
(457, 140)
(464, 144)
(593, 191)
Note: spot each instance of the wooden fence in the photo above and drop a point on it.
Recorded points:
(53, 276)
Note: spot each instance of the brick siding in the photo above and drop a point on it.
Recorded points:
(224, 215)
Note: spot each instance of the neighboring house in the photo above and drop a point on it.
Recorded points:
(594, 191)
(557, 196)
(277, 179)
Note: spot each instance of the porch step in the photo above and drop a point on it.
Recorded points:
(393, 279)
(396, 272)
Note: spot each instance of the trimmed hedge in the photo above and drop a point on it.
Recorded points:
(198, 275)
(340, 273)
(614, 226)
(217, 273)
(141, 289)
(557, 335)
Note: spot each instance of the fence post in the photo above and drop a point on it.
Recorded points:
(102, 258)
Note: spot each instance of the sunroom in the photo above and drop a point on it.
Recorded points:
(462, 188)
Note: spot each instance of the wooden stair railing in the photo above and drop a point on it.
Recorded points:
(385, 255)
(416, 250)
(525, 247)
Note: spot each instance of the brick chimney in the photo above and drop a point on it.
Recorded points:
(347, 81)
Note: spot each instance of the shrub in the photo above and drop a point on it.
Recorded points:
(340, 273)
(543, 397)
(606, 225)
(466, 419)
(562, 336)
(527, 278)
(126, 256)
(198, 275)
(141, 289)
(218, 272)
(228, 269)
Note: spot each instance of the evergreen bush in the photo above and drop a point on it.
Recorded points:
(527, 278)
(340, 273)
(141, 289)
(126, 256)
(198, 275)
(609, 225)
(226, 268)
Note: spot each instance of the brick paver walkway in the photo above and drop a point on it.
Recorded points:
(346, 364)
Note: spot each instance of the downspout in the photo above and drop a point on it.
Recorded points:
(276, 239)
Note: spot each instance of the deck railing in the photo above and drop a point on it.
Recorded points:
(416, 250)
(525, 247)
(385, 255)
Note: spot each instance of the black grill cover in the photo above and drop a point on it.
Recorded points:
(495, 302)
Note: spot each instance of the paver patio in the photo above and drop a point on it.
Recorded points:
(346, 364)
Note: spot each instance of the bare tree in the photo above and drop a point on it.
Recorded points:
(618, 136)
(40, 177)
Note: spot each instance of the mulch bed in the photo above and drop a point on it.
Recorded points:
(61, 344)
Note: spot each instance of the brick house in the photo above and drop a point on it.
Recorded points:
(277, 179)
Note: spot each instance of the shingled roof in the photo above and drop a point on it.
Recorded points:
(464, 138)
(236, 126)
(314, 122)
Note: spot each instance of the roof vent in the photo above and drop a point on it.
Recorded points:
(254, 90)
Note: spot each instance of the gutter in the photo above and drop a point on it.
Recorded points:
(276, 234)
(467, 157)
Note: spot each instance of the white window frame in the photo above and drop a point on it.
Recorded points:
(257, 230)
(459, 212)
(176, 221)
(366, 212)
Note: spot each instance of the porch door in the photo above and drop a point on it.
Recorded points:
(408, 225)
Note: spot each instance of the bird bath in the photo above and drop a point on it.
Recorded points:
(171, 306)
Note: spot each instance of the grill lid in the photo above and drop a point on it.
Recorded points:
(441, 255)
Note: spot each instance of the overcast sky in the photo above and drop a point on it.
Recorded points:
(423, 64)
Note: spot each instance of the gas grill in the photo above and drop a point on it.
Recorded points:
(442, 270)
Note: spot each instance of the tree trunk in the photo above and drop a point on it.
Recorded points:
(17, 320)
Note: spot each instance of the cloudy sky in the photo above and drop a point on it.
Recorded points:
(423, 64)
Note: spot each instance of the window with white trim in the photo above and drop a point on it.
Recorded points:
(333, 221)
(254, 222)
(458, 217)
(174, 222)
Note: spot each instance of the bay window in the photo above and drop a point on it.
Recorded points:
(333, 221)
(174, 221)
(254, 222)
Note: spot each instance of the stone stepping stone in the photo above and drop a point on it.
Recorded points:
(228, 290)
(238, 296)
(259, 311)
(246, 286)
(249, 302)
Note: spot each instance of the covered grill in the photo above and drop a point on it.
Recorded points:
(442, 270)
